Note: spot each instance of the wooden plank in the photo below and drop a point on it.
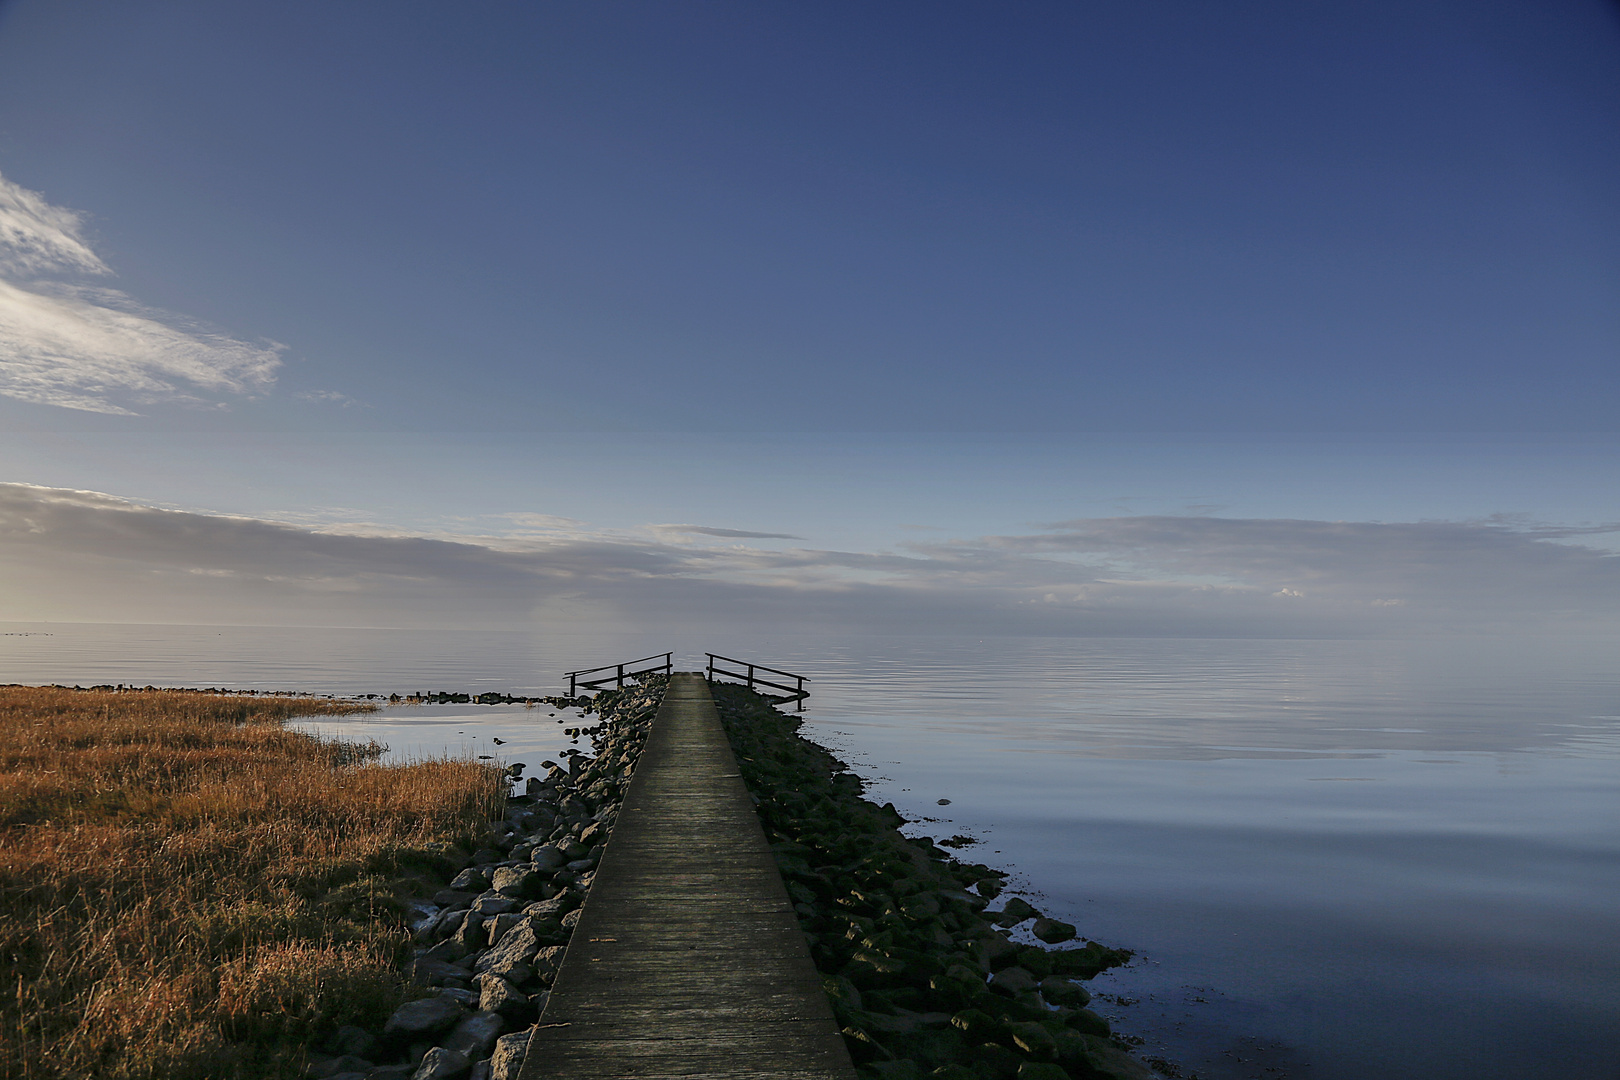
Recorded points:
(768, 1053)
(688, 960)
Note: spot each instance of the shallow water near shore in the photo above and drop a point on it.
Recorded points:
(1335, 859)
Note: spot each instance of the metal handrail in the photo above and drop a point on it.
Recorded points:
(575, 683)
(794, 693)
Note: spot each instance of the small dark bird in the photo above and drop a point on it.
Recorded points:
(498, 742)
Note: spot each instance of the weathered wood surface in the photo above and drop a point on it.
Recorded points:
(688, 960)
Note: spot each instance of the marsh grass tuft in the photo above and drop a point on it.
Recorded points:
(189, 889)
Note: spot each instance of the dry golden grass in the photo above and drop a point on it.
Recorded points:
(189, 889)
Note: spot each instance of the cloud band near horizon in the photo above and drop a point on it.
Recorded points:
(85, 556)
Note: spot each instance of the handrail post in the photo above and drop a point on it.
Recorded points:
(621, 676)
(751, 677)
(571, 688)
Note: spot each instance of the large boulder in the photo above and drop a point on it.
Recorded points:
(496, 927)
(549, 857)
(1052, 931)
(1087, 1022)
(1096, 1057)
(471, 880)
(453, 898)
(1061, 991)
(449, 951)
(425, 972)
(998, 952)
(1013, 981)
(1033, 1039)
(514, 958)
(501, 997)
(475, 1036)
(973, 901)
(507, 1060)
(494, 903)
(1041, 1070)
(470, 934)
(425, 1017)
(518, 882)
(442, 1064)
(1013, 912)
(547, 960)
(555, 908)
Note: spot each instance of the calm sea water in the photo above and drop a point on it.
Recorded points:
(1335, 859)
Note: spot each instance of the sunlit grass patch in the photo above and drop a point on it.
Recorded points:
(190, 889)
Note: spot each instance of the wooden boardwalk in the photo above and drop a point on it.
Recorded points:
(688, 960)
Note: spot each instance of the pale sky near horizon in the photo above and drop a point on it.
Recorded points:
(1073, 318)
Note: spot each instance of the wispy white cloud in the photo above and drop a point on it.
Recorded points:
(38, 238)
(72, 554)
(88, 349)
(95, 349)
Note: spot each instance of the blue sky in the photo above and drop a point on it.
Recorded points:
(872, 278)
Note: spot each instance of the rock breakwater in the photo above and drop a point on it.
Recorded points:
(925, 980)
(487, 945)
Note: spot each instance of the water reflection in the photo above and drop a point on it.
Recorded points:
(504, 735)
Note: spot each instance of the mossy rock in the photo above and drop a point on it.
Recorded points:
(1105, 1061)
(1041, 1070)
(979, 1026)
(1060, 991)
(958, 986)
(871, 970)
(1087, 962)
(1032, 1038)
(1087, 1022)
(1038, 962)
(1012, 1010)
(863, 1047)
(994, 1062)
(932, 1047)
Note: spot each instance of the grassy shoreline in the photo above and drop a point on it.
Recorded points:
(190, 889)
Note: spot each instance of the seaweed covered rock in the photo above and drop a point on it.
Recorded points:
(923, 981)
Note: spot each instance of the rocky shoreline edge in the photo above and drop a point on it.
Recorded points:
(487, 945)
(923, 978)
